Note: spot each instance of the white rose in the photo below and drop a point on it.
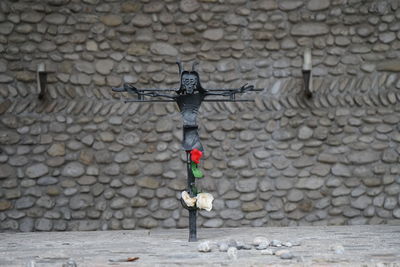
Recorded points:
(190, 201)
(204, 201)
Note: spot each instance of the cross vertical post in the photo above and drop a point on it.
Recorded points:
(191, 181)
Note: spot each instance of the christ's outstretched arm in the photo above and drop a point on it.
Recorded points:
(231, 92)
(133, 90)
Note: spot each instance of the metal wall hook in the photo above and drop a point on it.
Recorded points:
(307, 66)
(180, 67)
(194, 65)
(41, 77)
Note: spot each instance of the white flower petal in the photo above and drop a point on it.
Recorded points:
(204, 201)
(190, 201)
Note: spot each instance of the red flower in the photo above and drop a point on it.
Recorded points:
(195, 155)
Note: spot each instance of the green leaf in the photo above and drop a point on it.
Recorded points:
(196, 172)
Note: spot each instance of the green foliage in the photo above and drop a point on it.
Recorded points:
(196, 172)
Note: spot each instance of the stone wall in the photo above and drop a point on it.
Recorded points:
(82, 159)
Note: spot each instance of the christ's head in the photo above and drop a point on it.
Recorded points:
(190, 82)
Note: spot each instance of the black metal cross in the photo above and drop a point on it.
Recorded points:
(189, 97)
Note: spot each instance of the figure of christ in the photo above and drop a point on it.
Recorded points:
(188, 97)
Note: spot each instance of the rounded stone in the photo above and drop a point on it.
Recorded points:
(361, 202)
(284, 183)
(262, 154)
(189, 6)
(137, 49)
(204, 247)
(154, 7)
(141, 20)
(73, 169)
(6, 171)
(247, 185)
(305, 133)
(341, 170)
(111, 20)
(91, 46)
(122, 157)
(287, 5)
(119, 203)
(311, 183)
(45, 202)
(169, 203)
(286, 256)
(37, 170)
(128, 224)
(25, 202)
(129, 192)
(43, 224)
(163, 49)
(260, 239)
(112, 169)
(153, 169)
(56, 150)
(128, 139)
(5, 78)
(232, 214)
(246, 136)
(252, 206)
(87, 180)
(213, 223)
(104, 66)
(316, 5)
(238, 163)
(148, 182)
(47, 181)
(32, 17)
(267, 5)
(88, 140)
(26, 225)
(390, 203)
(363, 157)
(84, 67)
(18, 161)
(364, 30)
(387, 37)
(132, 168)
(55, 18)
(6, 28)
(372, 181)
(81, 201)
(263, 245)
(309, 29)
(107, 137)
(163, 126)
(213, 34)
(5, 205)
(148, 223)
(295, 195)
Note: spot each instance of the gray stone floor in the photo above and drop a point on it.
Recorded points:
(364, 246)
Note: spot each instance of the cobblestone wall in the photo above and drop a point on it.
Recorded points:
(82, 159)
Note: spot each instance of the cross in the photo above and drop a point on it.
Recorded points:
(188, 97)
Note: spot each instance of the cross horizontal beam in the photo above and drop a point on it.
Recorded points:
(206, 100)
(210, 90)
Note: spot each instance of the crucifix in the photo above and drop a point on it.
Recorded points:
(189, 97)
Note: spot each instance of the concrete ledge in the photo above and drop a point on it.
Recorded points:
(363, 245)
